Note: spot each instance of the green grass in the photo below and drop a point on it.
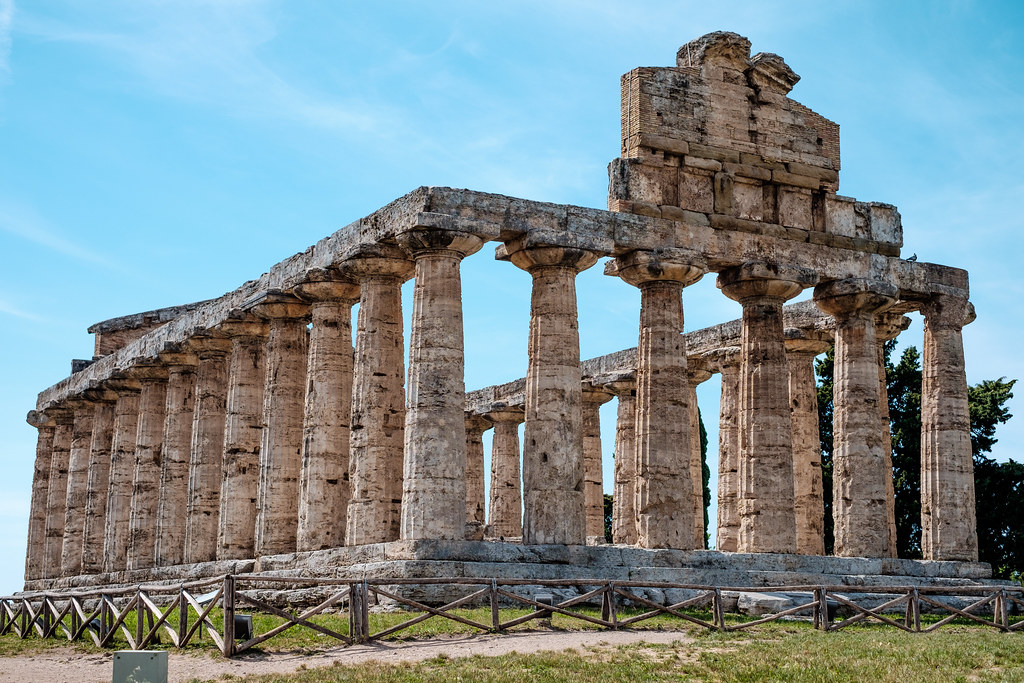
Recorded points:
(777, 652)
(783, 651)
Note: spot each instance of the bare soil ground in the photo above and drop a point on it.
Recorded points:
(68, 665)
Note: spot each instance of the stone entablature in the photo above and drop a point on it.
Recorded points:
(241, 382)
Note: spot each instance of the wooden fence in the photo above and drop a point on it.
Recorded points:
(183, 613)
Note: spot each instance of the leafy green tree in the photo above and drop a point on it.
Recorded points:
(999, 487)
(608, 503)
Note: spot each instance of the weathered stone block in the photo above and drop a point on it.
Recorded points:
(795, 208)
(696, 191)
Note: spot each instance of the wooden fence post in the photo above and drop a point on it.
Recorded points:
(718, 610)
(495, 616)
(823, 619)
(229, 615)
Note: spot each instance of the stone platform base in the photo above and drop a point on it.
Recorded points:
(482, 559)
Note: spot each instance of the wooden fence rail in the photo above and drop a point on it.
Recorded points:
(184, 614)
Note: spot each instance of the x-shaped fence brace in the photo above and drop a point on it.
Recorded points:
(51, 615)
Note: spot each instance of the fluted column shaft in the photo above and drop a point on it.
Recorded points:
(57, 491)
(435, 429)
(476, 510)
(98, 486)
(767, 500)
(506, 504)
(697, 375)
(378, 401)
(859, 474)
(173, 491)
(664, 496)
(553, 448)
(277, 510)
(56, 497)
(623, 508)
(122, 473)
(888, 325)
(593, 485)
(206, 459)
(146, 479)
(948, 519)
(728, 533)
(807, 482)
(324, 489)
(36, 547)
(78, 482)
(243, 426)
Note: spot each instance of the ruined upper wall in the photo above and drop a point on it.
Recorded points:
(717, 135)
(116, 333)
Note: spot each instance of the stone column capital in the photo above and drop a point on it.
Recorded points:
(723, 359)
(477, 423)
(178, 355)
(595, 393)
(621, 386)
(536, 257)
(802, 345)
(149, 372)
(889, 324)
(40, 419)
(328, 287)
(210, 345)
(244, 327)
(378, 261)
(854, 297)
(945, 310)
(760, 280)
(278, 305)
(505, 413)
(642, 266)
(422, 241)
(99, 393)
(123, 385)
(697, 373)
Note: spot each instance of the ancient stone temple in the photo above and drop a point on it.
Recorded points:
(266, 430)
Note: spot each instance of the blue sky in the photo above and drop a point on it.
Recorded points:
(154, 153)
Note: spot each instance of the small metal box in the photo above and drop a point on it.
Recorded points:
(140, 666)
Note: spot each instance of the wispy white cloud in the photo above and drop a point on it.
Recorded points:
(7, 308)
(25, 222)
(210, 53)
(6, 19)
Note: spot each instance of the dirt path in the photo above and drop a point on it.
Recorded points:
(75, 667)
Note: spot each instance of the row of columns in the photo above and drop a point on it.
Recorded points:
(260, 437)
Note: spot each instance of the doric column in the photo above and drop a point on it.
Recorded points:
(728, 533)
(476, 509)
(146, 478)
(206, 459)
(57, 489)
(888, 325)
(243, 427)
(78, 483)
(504, 520)
(948, 523)
(434, 489)
(623, 508)
(664, 454)
(859, 474)
(766, 502)
(553, 448)
(169, 546)
(378, 398)
(284, 393)
(122, 473)
(98, 480)
(803, 410)
(697, 373)
(323, 483)
(36, 549)
(593, 486)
